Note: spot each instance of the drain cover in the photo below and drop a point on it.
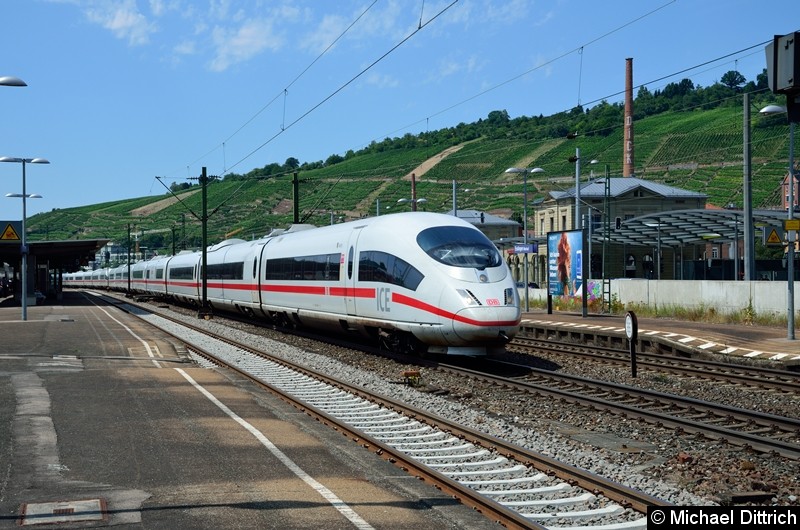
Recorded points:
(62, 512)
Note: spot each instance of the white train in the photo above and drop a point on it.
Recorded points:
(417, 281)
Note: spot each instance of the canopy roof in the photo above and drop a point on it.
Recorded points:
(687, 227)
(67, 255)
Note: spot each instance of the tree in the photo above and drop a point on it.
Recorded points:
(291, 163)
(675, 90)
(762, 80)
(733, 79)
(498, 117)
(176, 187)
(333, 159)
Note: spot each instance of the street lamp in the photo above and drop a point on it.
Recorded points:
(578, 226)
(24, 247)
(10, 80)
(525, 172)
(749, 253)
(413, 202)
(747, 195)
(577, 160)
(792, 233)
(589, 217)
(455, 198)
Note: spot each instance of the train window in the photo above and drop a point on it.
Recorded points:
(376, 266)
(459, 246)
(255, 268)
(320, 267)
(226, 271)
(181, 273)
(138, 274)
(159, 274)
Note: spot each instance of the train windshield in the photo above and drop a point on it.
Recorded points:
(459, 246)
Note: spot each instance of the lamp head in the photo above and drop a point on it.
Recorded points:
(772, 109)
(24, 160)
(10, 80)
(524, 170)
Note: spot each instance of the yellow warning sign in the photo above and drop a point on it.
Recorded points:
(773, 238)
(9, 234)
(791, 224)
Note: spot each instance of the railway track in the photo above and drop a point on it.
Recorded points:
(749, 375)
(509, 484)
(751, 429)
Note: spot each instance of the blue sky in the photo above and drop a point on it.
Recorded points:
(122, 91)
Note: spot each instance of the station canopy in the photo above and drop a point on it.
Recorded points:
(690, 227)
(66, 255)
(677, 228)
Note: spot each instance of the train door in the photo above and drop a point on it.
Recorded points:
(260, 266)
(350, 272)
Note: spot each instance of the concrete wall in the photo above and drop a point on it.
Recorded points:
(765, 297)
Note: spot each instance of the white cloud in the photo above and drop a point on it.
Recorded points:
(186, 47)
(381, 80)
(449, 67)
(240, 44)
(123, 19)
(329, 28)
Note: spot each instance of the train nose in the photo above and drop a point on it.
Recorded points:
(492, 324)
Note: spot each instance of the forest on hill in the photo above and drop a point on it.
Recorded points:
(686, 136)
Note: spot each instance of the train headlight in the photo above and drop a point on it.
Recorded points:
(509, 296)
(467, 297)
(483, 278)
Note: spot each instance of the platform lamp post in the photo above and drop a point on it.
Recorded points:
(525, 171)
(749, 238)
(577, 160)
(24, 247)
(792, 233)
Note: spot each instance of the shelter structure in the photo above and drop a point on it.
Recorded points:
(643, 229)
(47, 261)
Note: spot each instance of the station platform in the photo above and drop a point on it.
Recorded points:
(755, 342)
(105, 422)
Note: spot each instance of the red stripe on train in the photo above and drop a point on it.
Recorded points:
(422, 306)
(295, 289)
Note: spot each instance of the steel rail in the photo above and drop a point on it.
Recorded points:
(755, 442)
(749, 375)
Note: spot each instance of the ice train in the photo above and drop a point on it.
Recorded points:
(416, 281)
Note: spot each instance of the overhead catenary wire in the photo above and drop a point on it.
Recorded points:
(345, 85)
(284, 92)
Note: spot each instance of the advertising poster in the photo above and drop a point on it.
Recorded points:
(565, 262)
